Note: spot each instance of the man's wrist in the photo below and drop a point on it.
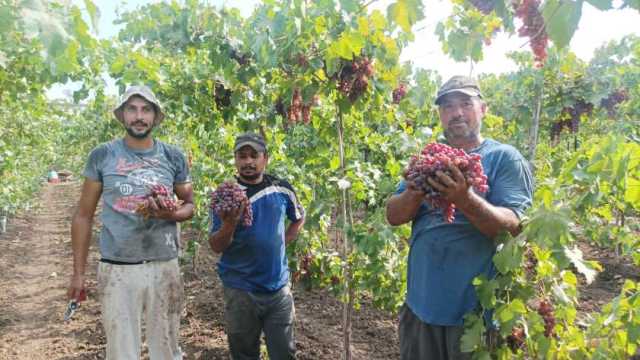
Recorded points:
(470, 201)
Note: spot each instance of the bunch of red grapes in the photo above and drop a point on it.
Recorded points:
(611, 102)
(304, 269)
(438, 157)
(162, 196)
(484, 6)
(516, 339)
(298, 111)
(229, 196)
(570, 118)
(353, 79)
(545, 309)
(533, 28)
(399, 93)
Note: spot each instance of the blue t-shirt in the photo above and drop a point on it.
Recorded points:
(445, 258)
(255, 260)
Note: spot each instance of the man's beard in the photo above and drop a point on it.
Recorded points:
(468, 134)
(250, 177)
(141, 135)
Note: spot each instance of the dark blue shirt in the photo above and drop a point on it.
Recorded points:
(255, 260)
(445, 258)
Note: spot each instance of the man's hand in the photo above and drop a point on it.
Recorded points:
(158, 209)
(232, 217)
(453, 188)
(414, 189)
(76, 287)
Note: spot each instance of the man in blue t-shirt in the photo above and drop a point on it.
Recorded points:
(253, 267)
(444, 257)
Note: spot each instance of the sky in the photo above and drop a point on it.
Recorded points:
(595, 29)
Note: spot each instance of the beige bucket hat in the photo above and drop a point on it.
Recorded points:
(144, 92)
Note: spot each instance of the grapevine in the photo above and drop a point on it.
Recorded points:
(438, 157)
(229, 196)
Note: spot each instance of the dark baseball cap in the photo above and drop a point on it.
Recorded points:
(460, 84)
(256, 141)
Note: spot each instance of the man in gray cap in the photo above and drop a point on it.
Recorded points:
(253, 267)
(146, 190)
(445, 257)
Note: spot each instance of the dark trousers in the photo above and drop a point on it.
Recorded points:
(249, 314)
(422, 341)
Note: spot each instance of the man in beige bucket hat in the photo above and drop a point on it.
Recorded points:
(146, 190)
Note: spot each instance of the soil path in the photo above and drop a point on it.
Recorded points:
(35, 264)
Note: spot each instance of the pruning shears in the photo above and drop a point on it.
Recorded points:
(74, 304)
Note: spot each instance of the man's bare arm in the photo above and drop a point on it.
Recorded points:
(81, 233)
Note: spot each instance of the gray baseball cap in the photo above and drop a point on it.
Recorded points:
(144, 92)
(256, 141)
(461, 84)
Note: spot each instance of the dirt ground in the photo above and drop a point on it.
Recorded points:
(35, 264)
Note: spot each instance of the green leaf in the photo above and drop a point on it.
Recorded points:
(118, 65)
(348, 44)
(6, 19)
(335, 163)
(486, 291)
(377, 20)
(585, 268)
(632, 192)
(320, 25)
(634, 4)
(405, 13)
(3, 60)
(94, 13)
(509, 257)
(473, 333)
(601, 4)
(349, 6)
(561, 18)
(67, 62)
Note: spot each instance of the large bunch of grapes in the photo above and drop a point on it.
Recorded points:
(163, 197)
(611, 102)
(437, 157)
(229, 196)
(570, 118)
(354, 76)
(533, 28)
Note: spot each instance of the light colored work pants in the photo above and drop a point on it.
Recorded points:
(129, 292)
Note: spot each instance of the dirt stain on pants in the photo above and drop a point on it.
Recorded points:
(130, 294)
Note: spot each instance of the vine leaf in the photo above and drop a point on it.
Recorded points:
(587, 268)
